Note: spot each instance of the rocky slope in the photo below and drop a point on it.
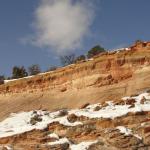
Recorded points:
(122, 124)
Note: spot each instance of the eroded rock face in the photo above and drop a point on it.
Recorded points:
(109, 75)
(105, 69)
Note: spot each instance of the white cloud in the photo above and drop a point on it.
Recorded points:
(62, 25)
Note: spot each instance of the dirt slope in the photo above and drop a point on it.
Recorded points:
(108, 76)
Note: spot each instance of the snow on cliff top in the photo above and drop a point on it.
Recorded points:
(21, 122)
(43, 73)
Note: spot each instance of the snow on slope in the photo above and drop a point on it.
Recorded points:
(112, 111)
(20, 123)
(11, 80)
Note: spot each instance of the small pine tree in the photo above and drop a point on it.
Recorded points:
(2, 78)
(34, 69)
(19, 72)
(95, 51)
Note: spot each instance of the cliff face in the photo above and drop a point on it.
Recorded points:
(109, 75)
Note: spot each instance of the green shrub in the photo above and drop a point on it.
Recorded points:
(95, 51)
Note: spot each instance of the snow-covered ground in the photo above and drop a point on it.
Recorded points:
(20, 122)
(112, 111)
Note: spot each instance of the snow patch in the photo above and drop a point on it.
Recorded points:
(124, 130)
(60, 141)
(53, 135)
(82, 145)
(127, 132)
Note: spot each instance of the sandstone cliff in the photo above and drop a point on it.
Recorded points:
(109, 75)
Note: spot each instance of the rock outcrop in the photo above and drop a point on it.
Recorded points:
(115, 126)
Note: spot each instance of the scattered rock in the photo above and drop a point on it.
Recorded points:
(64, 146)
(63, 112)
(130, 101)
(134, 95)
(104, 104)
(84, 105)
(146, 130)
(109, 77)
(119, 102)
(72, 118)
(148, 90)
(63, 89)
(143, 100)
(97, 108)
(36, 118)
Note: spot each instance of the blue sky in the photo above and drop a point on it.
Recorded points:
(117, 23)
